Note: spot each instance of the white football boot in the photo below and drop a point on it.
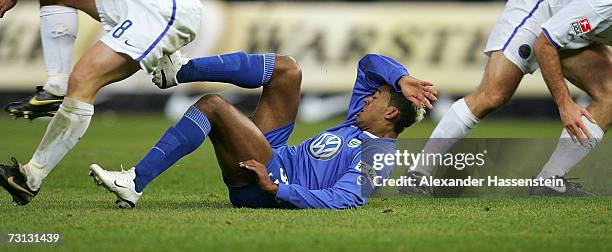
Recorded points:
(121, 183)
(164, 75)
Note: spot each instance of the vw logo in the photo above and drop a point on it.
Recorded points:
(325, 147)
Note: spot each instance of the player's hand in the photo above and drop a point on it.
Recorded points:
(418, 91)
(263, 179)
(571, 117)
(6, 5)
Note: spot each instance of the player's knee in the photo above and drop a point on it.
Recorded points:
(211, 104)
(287, 68)
(495, 100)
(77, 80)
(603, 96)
(598, 98)
(600, 90)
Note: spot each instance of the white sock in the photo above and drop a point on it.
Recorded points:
(567, 153)
(63, 132)
(455, 124)
(58, 30)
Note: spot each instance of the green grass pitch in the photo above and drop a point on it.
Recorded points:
(187, 207)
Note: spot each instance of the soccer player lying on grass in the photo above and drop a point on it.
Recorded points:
(259, 168)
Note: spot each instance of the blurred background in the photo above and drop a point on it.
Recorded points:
(440, 41)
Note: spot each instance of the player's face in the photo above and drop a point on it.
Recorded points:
(375, 108)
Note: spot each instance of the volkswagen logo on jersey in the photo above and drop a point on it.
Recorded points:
(325, 147)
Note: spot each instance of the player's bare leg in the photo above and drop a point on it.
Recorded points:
(235, 139)
(280, 99)
(589, 70)
(277, 107)
(99, 67)
(500, 80)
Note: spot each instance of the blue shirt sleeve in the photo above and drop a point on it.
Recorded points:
(374, 71)
(346, 193)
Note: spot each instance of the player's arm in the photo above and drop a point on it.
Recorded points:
(572, 21)
(6, 5)
(376, 70)
(345, 193)
(570, 112)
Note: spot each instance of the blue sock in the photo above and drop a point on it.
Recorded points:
(179, 140)
(241, 69)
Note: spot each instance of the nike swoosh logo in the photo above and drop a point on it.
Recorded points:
(37, 102)
(11, 182)
(560, 189)
(126, 42)
(117, 185)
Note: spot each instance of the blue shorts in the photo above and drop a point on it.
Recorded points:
(252, 196)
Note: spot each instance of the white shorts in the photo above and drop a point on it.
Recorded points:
(585, 19)
(518, 27)
(146, 30)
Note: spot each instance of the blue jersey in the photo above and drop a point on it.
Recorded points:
(328, 170)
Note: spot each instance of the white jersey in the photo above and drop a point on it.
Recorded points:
(589, 20)
(146, 30)
(518, 27)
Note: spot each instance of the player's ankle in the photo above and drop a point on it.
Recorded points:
(34, 173)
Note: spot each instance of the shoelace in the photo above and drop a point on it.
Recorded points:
(121, 175)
